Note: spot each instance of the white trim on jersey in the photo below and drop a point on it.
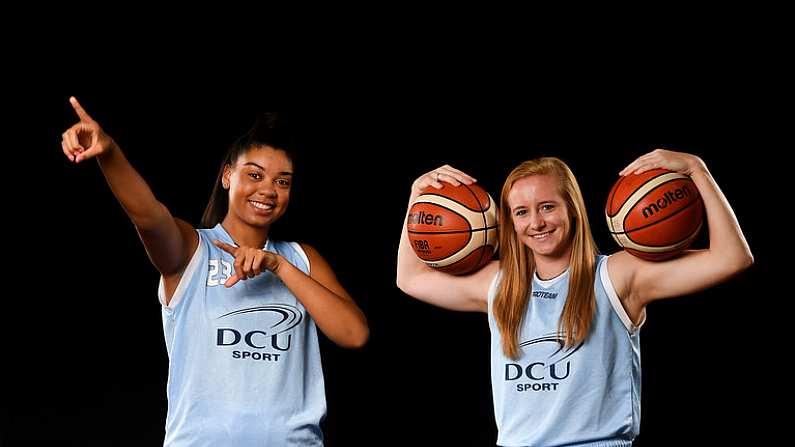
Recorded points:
(301, 252)
(492, 293)
(190, 270)
(616, 301)
(548, 283)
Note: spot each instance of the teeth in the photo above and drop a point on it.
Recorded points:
(261, 206)
(541, 236)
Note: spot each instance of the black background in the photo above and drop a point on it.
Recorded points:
(83, 343)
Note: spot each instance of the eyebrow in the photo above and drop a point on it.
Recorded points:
(543, 202)
(251, 163)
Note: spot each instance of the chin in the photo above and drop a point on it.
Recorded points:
(547, 250)
(259, 221)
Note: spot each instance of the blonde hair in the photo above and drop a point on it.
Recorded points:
(517, 265)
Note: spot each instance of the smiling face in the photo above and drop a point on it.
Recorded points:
(259, 187)
(540, 216)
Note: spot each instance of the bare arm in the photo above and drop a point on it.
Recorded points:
(695, 270)
(462, 293)
(169, 242)
(334, 311)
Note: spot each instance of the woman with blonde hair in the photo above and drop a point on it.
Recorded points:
(565, 349)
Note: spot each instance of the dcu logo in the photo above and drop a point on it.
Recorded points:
(267, 343)
(548, 365)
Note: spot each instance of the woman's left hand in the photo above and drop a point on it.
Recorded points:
(249, 261)
(660, 158)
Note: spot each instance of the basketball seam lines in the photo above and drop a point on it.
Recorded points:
(613, 196)
(661, 220)
(451, 199)
(452, 232)
(624, 221)
(482, 215)
(446, 207)
(642, 191)
(470, 232)
(610, 204)
(661, 249)
(618, 211)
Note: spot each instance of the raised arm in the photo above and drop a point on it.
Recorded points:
(640, 282)
(462, 293)
(169, 242)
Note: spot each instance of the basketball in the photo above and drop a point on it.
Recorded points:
(453, 229)
(654, 215)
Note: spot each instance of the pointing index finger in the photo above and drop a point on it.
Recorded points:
(225, 247)
(81, 112)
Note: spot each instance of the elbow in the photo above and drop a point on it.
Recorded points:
(360, 341)
(740, 263)
(399, 283)
(748, 260)
(744, 259)
(405, 287)
(405, 275)
(357, 340)
(407, 282)
(402, 283)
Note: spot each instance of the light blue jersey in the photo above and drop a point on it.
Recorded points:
(551, 396)
(244, 362)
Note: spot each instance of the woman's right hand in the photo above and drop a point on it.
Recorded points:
(441, 174)
(86, 139)
(249, 262)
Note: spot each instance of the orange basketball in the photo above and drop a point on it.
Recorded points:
(453, 229)
(654, 215)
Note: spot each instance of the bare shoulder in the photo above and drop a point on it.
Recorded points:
(486, 274)
(189, 235)
(321, 271)
(482, 279)
(473, 288)
(316, 261)
(309, 249)
(621, 268)
(466, 293)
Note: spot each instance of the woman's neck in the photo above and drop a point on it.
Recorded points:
(243, 234)
(548, 268)
(550, 271)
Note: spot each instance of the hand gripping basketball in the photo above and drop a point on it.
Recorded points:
(452, 223)
(654, 211)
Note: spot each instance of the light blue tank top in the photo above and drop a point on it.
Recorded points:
(244, 362)
(585, 396)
